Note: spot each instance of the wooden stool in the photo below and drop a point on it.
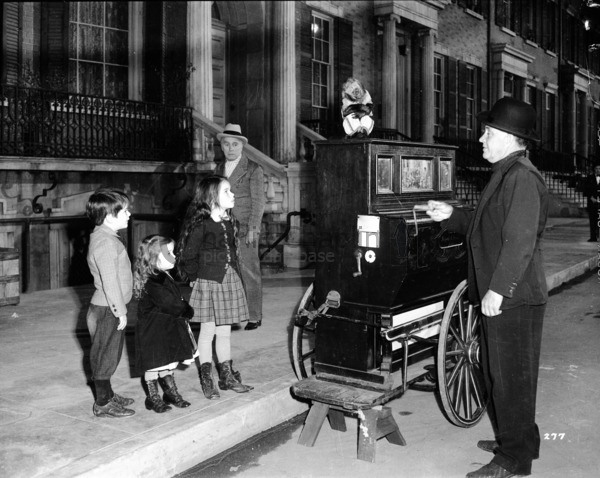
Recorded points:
(333, 400)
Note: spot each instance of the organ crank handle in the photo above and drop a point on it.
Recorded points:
(358, 256)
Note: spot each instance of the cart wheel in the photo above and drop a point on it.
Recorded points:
(303, 338)
(461, 385)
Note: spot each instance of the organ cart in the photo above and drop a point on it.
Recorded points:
(388, 308)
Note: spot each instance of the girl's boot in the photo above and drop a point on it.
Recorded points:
(153, 400)
(171, 395)
(208, 386)
(228, 382)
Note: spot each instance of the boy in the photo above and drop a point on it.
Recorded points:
(107, 313)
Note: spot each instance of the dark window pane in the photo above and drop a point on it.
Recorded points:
(91, 12)
(90, 43)
(117, 15)
(73, 44)
(116, 81)
(117, 50)
(90, 79)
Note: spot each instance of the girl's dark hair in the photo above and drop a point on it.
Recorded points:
(146, 261)
(104, 202)
(206, 195)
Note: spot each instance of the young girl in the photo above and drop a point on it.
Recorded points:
(209, 258)
(162, 337)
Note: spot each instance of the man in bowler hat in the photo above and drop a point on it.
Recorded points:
(247, 184)
(506, 277)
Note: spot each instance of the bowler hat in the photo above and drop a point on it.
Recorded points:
(511, 116)
(232, 131)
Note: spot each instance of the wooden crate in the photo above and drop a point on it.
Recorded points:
(9, 276)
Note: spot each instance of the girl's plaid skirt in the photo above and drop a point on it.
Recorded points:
(223, 304)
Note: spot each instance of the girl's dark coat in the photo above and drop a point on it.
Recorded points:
(161, 332)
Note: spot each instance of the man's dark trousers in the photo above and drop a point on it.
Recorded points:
(510, 356)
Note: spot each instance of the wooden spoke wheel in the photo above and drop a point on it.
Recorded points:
(303, 338)
(459, 370)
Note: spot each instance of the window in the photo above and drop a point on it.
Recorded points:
(99, 48)
(471, 98)
(438, 95)
(549, 16)
(549, 120)
(322, 45)
(509, 84)
(507, 14)
(477, 6)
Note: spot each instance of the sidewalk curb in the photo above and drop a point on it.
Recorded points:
(556, 280)
(183, 449)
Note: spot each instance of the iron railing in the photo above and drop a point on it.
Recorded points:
(45, 123)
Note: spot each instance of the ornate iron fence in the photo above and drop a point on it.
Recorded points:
(46, 123)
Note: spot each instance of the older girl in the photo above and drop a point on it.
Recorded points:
(209, 259)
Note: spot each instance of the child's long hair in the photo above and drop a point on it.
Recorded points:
(146, 261)
(206, 195)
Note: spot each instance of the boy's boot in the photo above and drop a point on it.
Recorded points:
(171, 395)
(228, 382)
(208, 386)
(153, 400)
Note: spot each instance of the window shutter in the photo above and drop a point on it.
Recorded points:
(451, 107)
(11, 41)
(175, 49)
(541, 107)
(484, 91)
(462, 99)
(153, 53)
(305, 63)
(54, 48)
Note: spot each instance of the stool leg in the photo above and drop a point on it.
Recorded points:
(314, 422)
(336, 420)
(367, 434)
(388, 428)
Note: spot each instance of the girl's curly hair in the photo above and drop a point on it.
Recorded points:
(206, 196)
(146, 261)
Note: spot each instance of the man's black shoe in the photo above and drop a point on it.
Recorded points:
(123, 401)
(112, 410)
(592, 240)
(491, 470)
(253, 325)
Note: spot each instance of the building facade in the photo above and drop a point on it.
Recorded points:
(132, 94)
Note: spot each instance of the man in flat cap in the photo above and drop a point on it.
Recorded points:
(506, 277)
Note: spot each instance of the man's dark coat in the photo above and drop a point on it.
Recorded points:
(504, 233)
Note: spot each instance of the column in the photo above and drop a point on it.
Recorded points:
(389, 98)
(200, 86)
(570, 122)
(284, 88)
(200, 56)
(583, 129)
(427, 106)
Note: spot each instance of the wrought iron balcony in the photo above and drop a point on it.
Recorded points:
(45, 123)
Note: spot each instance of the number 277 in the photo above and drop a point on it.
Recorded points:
(553, 436)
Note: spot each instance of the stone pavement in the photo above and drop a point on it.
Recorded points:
(47, 425)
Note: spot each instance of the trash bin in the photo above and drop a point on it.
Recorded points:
(9, 276)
